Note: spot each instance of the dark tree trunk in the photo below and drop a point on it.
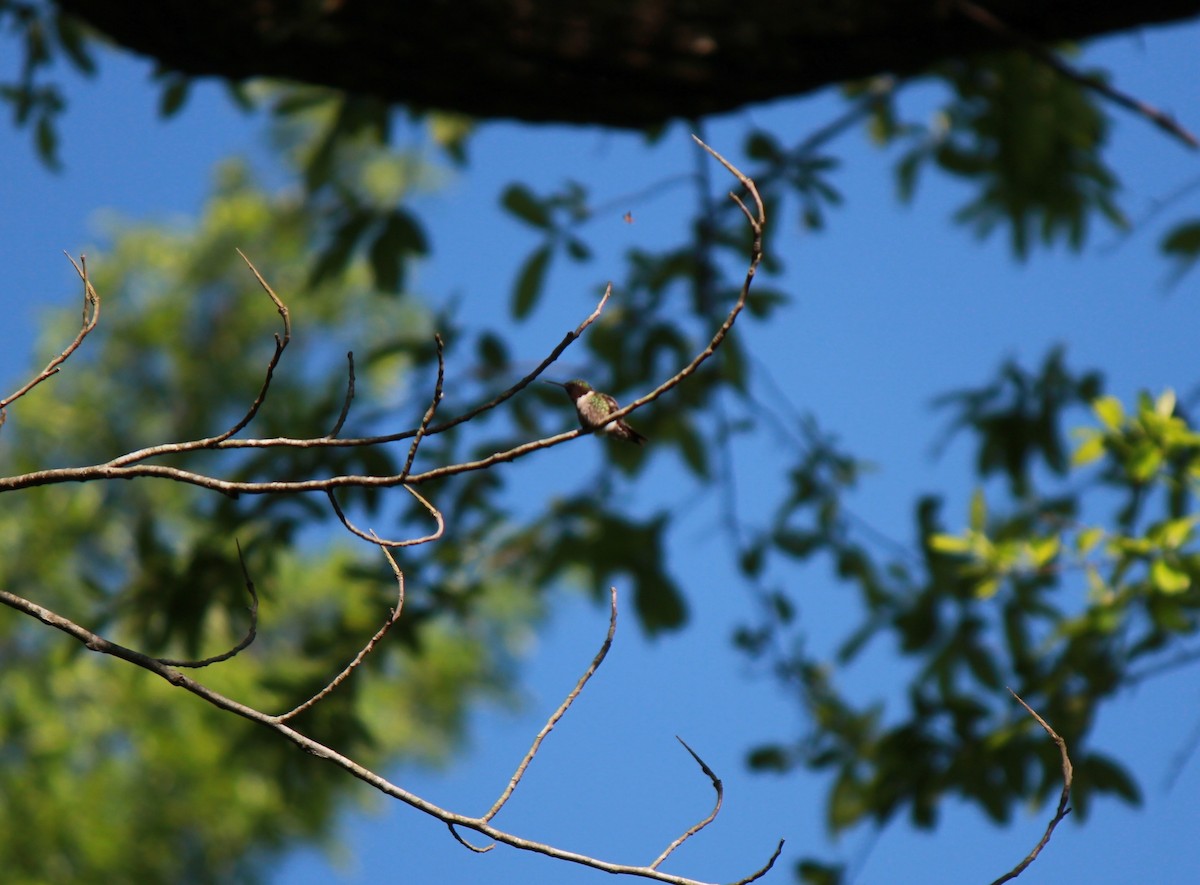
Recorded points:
(610, 62)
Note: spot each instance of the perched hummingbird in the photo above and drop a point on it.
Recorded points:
(593, 407)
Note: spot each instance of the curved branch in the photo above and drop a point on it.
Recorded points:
(375, 539)
(561, 711)
(1062, 811)
(337, 427)
(393, 617)
(429, 413)
(251, 633)
(712, 815)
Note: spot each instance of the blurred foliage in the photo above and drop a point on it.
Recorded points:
(1070, 576)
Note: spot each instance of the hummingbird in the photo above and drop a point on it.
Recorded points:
(593, 407)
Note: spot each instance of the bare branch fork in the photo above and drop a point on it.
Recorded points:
(134, 464)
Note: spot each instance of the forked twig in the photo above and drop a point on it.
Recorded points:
(91, 316)
(562, 708)
(131, 460)
(393, 617)
(251, 633)
(280, 345)
(1068, 772)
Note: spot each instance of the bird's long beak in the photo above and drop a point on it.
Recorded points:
(555, 383)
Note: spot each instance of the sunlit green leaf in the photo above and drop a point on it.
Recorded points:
(1168, 578)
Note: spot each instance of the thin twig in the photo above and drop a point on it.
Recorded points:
(280, 345)
(250, 633)
(465, 844)
(214, 442)
(765, 868)
(337, 427)
(393, 616)
(382, 542)
(512, 391)
(1062, 810)
(718, 787)
(91, 316)
(757, 222)
(432, 410)
(561, 711)
(1161, 119)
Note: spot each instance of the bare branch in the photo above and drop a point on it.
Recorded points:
(393, 617)
(277, 724)
(712, 815)
(337, 427)
(133, 458)
(1062, 810)
(765, 868)
(1162, 120)
(91, 316)
(280, 345)
(561, 711)
(429, 413)
(128, 466)
(250, 633)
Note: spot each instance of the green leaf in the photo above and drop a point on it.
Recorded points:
(812, 872)
(332, 261)
(847, 804)
(659, 604)
(978, 517)
(174, 96)
(520, 202)
(578, 250)
(400, 238)
(1043, 550)
(1182, 241)
(1167, 578)
(530, 280)
(1165, 404)
(1091, 449)
(987, 588)
(1087, 539)
(1110, 412)
(951, 544)
(46, 137)
(769, 757)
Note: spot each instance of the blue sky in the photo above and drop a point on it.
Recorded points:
(893, 306)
